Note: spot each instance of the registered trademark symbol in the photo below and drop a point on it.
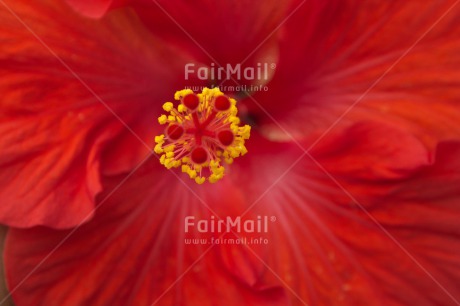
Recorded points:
(272, 218)
(273, 66)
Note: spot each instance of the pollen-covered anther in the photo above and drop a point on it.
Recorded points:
(201, 134)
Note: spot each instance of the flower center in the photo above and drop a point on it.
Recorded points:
(201, 133)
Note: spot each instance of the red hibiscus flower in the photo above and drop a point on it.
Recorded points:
(350, 183)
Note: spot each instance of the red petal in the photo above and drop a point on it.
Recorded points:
(328, 250)
(56, 133)
(229, 32)
(421, 215)
(322, 248)
(332, 53)
(133, 252)
(94, 8)
(372, 151)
